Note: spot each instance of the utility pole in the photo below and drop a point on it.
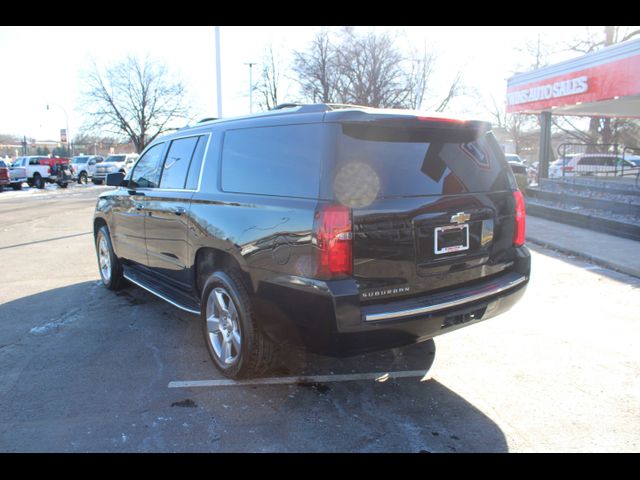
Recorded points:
(251, 64)
(218, 74)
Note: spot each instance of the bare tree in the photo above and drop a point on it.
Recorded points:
(135, 98)
(269, 82)
(316, 69)
(366, 69)
(517, 127)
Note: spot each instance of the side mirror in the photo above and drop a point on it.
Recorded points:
(116, 180)
(92, 162)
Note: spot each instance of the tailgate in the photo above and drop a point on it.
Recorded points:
(432, 207)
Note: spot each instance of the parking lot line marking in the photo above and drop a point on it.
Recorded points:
(348, 377)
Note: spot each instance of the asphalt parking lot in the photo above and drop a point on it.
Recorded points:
(85, 369)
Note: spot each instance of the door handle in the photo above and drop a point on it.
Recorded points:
(139, 206)
(179, 210)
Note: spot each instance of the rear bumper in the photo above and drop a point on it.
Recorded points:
(327, 317)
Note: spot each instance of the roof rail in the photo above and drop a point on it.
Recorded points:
(288, 105)
(209, 119)
(315, 107)
(338, 106)
(304, 107)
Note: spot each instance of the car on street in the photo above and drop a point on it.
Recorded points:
(17, 176)
(37, 172)
(113, 163)
(5, 179)
(592, 164)
(519, 170)
(342, 228)
(84, 166)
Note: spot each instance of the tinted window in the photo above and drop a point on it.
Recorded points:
(196, 164)
(147, 171)
(377, 162)
(176, 165)
(282, 160)
(2, 164)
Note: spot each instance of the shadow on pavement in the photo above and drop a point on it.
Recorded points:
(85, 369)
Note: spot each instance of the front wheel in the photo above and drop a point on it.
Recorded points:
(234, 340)
(96, 181)
(82, 178)
(108, 262)
(16, 186)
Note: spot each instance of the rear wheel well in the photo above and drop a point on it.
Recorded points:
(209, 260)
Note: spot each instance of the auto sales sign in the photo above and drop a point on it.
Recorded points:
(547, 91)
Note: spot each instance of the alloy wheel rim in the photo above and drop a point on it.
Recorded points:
(223, 327)
(104, 259)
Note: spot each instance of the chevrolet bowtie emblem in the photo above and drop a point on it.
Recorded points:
(460, 217)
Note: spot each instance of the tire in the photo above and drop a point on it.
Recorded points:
(1, 188)
(235, 341)
(38, 181)
(63, 185)
(112, 276)
(97, 182)
(16, 186)
(82, 178)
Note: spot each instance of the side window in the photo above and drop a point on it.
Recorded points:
(34, 161)
(196, 164)
(147, 171)
(176, 164)
(282, 160)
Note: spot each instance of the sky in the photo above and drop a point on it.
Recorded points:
(44, 65)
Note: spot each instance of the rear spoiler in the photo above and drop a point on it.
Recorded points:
(384, 119)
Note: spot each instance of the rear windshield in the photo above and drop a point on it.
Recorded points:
(80, 160)
(392, 162)
(116, 158)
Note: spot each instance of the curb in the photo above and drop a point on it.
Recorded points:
(634, 272)
(616, 228)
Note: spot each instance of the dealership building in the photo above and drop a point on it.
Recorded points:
(605, 83)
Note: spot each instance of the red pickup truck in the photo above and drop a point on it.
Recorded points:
(5, 179)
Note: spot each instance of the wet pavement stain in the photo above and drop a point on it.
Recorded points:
(187, 403)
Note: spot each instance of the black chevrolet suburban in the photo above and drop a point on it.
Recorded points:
(342, 228)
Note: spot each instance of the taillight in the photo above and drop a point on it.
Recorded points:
(519, 230)
(334, 241)
(568, 169)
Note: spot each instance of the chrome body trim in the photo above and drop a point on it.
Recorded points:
(374, 317)
(159, 295)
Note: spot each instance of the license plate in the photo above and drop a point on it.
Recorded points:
(452, 238)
